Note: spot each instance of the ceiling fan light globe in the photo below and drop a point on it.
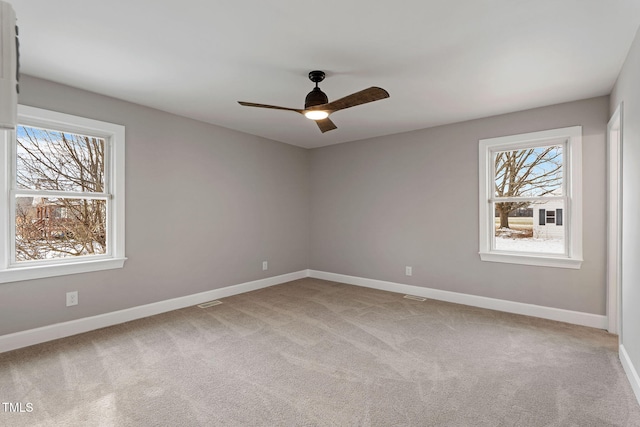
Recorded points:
(316, 114)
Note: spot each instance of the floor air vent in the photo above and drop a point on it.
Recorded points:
(209, 304)
(415, 298)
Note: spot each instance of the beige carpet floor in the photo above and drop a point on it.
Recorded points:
(317, 353)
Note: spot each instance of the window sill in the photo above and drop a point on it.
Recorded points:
(542, 261)
(16, 274)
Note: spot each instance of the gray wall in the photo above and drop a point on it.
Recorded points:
(412, 199)
(627, 90)
(204, 207)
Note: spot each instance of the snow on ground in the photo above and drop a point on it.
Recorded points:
(41, 249)
(529, 244)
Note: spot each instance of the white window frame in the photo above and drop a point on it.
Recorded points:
(571, 138)
(114, 136)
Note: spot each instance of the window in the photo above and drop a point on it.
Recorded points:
(63, 177)
(551, 216)
(531, 198)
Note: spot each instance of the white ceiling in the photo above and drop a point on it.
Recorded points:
(442, 61)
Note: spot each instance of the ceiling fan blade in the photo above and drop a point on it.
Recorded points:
(326, 125)
(273, 107)
(363, 97)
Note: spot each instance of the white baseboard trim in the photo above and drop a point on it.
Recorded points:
(60, 330)
(558, 314)
(630, 370)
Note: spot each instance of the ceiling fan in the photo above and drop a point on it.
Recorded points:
(317, 106)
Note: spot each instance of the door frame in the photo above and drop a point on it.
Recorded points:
(614, 222)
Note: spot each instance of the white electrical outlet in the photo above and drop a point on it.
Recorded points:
(72, 298)
(265, 265)
(408, 271)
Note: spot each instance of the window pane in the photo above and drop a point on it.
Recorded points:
(529, 227)
(52, 160)
(48, 228)
(532, 172)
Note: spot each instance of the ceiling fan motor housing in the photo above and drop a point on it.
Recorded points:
(315, 97)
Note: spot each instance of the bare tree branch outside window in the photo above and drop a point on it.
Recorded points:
(532, 172)
(55, 226)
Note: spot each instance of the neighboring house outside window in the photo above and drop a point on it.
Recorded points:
(530, 198)
(548, 222)
(65, 186)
